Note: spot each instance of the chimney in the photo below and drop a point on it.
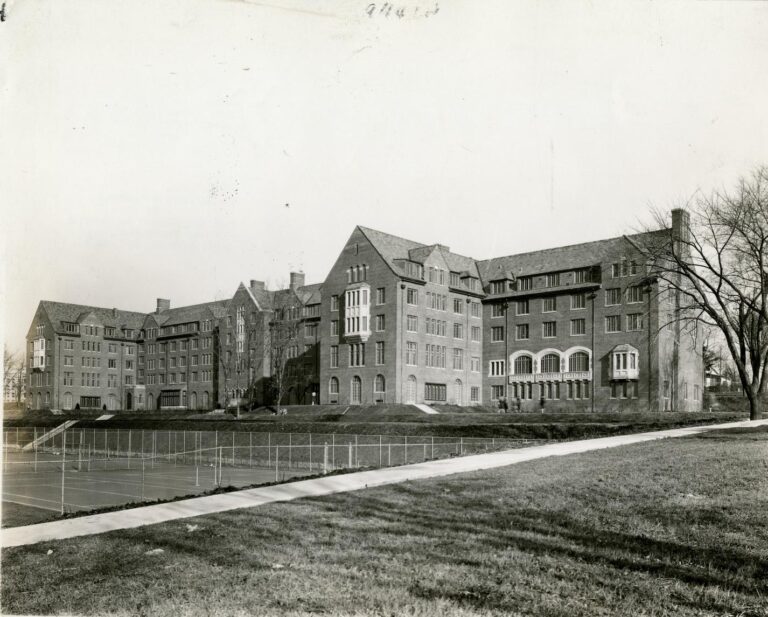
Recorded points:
(114, 312)
(162, 305)
(257, 286)
(297, 279)
(681, 221)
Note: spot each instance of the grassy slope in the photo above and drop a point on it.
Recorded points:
(675, 527)
(400, 420)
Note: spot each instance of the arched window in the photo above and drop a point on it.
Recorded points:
(550, 363)
(458, 392)
(67, 400)
(206, 400)
(111, 402)
(357, 390)
(523, 365)
(410, 392)
(193, 400)
(150, 401)
(39, 401)
(183, 398)
(333, 386)
(578, 361)
(379, 384)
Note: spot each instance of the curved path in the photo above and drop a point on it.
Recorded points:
(197, 506)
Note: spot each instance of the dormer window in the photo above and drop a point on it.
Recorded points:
(498, 287)
(553, 280)
(524, 283)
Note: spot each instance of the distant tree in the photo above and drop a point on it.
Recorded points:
(13, 374)
(715, 268)
(282, 341)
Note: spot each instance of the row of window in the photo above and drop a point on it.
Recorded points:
(578, 327)
(180, 378)
(547, 390)
(173, 346)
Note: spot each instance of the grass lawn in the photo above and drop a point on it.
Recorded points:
(14, 515)
(673, 527)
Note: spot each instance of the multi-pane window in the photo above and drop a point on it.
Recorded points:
(578, 301)
(613, 323)
(581, 276)
(379, 323)
(578, 362)
(476, 333)
(497, 310)
(549, 329)
(334, 327)
(474, 364)
(523, 307)
(458, 359)
(410, 354)
(357, 354)
(497, 392)
(333, 386)
(435, 355)
(474, 309)
(497, 287)
(458, 306)
(334, 304)
(379, 352)
(634, 294)
(612, 296)
(522, 332)
(496, 368)
(381, 295)
(578, 327)
(458, 330)
(412, 296)
(552, 280)
(412, 323)
(550, 363)
(635, 321)
(435, 326)
(497, 334)
(524, 283)
(523, 365)
(474, 394)
(549, 305)
(437, 301)
(435, 391)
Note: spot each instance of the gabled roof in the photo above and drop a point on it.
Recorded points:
(194, 312)
(393, 247)
(116, 318)
(310, 294)
(555, 259)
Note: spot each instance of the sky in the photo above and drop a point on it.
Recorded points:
(174, 148)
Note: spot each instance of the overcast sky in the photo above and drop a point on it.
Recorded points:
(176, 148)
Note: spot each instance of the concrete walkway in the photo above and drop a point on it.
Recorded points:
(198, 506)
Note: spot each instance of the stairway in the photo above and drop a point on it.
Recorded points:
(426, 409)
(50, 434)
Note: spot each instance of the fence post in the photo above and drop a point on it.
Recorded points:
(154, 448)
(325, 458)
(406, 450)
(461, 441)
(333, 450)
(277, 456)
(129, 448)
(349, 465)
(233, 448)
(143, 460)
(221, 462)
(35, 459)
(269, 450)
(250, 449)
(310, 453)
(357, 454)
(106, 445)
(184, 446)
(290, 449)
(169, 446)
(63, 467)
(117, 448)
(425, 452)
(380, 452)
(389, 455)
(433, 448)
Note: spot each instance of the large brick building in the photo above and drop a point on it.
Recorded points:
(395, 321)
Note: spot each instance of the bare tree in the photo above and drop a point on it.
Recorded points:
(714, 268)
(13, 374)
(282, 340)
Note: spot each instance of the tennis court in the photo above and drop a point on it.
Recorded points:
(84, 469)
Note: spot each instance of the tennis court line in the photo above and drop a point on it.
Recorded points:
(211, 504)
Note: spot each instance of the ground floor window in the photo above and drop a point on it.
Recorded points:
(624, 389)
(497, 392)
(90, 402)
(550, 390)
(578, 390)
(170, 398)
(522, 391)
(435, 391)
(474, 394)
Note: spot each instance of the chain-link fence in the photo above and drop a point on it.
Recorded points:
(105, 467)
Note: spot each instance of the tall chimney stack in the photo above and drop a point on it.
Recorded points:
(162, 305)
(257, 285)
(297, 280)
